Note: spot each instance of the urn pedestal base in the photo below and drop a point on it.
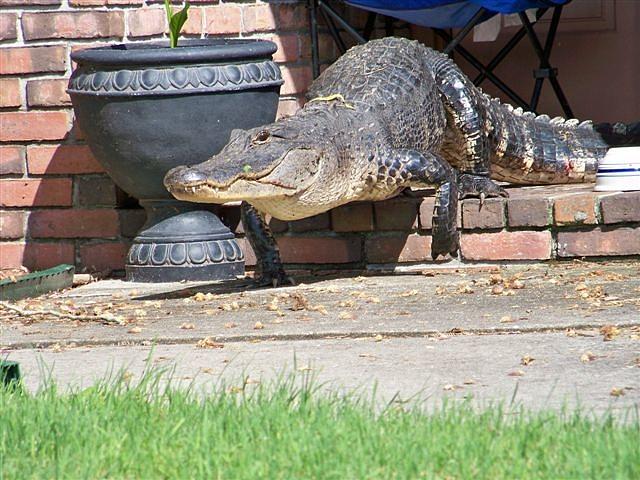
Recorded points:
(181, 242)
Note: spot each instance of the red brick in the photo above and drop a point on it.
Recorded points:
(621, 207)
(100, 257)
(491, 215)
(317, 222)
(61, 159)
(296, 79)
(396, 214)
(353, 217)
(397, 248)
(99, 3)
(249, 254)
(32, 60)
(577, 208)
(598, 242)
(258, 18)
(193, 25)
(76, 223)
(35, 192)
(292, 16)
(25, 126)
(11, 224)
(146, 22)
(8, 29)
(94, 24)
(48, 93)
(324, 249)
(289, 106)
(506, 246)
(11, 255)
(36, 255)
(11, 160)
(288, 48)
(28, 3)
(223, 19)
(10, 92)
(528, 212)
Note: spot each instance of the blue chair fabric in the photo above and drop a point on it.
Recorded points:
(448, 13)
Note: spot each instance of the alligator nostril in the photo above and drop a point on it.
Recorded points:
(183, 176)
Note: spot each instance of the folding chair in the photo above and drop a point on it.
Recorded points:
(446, 14)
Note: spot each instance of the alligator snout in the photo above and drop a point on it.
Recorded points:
(184, 177)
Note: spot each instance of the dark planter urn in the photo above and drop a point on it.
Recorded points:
(146, 108)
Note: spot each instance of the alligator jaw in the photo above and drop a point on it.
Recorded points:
(239, 189)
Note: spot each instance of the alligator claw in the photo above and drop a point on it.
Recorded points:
(444, 243)
(470, 185)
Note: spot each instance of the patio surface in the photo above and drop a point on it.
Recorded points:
(546, 334)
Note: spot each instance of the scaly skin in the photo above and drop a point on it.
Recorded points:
(388, 115)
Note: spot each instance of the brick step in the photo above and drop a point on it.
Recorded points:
(534, 223)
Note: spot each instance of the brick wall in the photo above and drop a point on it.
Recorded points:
(56, 203)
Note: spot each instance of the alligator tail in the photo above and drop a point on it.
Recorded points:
(619, 134)
(535, 149)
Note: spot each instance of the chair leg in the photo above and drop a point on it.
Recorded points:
(388, 26)
(510, 45)
(341, 21)
(370, 25)
(334, 31)
(475, 63)
(454, 42)
(312, 5)
(545, 69)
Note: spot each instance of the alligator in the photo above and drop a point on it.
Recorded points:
(388, 115)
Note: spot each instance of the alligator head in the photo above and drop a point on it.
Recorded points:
(276, 168)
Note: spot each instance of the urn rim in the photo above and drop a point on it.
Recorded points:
(208, 50)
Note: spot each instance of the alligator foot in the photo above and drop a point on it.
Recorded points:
(444, 234)
(443, 243)
(476, 186)
(428, 169)
(275, 277)
(269, 271)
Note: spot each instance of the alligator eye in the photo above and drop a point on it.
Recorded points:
(262, 136)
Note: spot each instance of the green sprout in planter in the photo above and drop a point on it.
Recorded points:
(176, 21)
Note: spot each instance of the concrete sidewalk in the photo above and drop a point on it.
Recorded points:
(550, 334)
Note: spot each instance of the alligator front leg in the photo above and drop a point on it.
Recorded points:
(467, 114)
(412, 168)
(269, 269)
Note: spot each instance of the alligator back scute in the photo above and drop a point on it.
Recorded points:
(391, 80)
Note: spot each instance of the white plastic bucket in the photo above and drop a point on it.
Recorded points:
(619, 170)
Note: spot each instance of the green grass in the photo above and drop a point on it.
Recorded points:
(292, 430)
